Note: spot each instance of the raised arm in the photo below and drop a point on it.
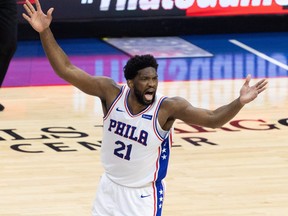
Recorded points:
(179, 108)
(98, 86)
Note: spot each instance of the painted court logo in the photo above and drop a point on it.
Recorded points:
(69, 139)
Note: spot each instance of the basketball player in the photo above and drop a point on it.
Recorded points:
(137, 125)
(8, 36)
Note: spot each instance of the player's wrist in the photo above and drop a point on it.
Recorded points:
(241, 101)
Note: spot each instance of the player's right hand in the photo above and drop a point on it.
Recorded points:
(36, 18)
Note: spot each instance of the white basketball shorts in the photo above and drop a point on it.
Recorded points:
(116, 200)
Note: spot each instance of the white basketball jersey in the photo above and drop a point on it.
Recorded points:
(135, 150)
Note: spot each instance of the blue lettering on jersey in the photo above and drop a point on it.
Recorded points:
(145, 116)
(128, 131)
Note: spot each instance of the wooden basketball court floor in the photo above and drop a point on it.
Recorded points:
(50, 139)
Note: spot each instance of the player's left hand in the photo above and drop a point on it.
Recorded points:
(249, 93)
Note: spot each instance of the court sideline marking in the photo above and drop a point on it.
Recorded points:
(260, 54)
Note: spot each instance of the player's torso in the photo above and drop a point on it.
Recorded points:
(131, 143)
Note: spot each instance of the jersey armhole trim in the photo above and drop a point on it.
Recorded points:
(114, 102)
(156, 123)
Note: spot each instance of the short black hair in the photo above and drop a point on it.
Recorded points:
(137, 63)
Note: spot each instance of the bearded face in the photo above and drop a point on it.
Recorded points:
(144, 86)
(145, 98)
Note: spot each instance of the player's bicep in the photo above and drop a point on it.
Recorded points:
(184, 111)
(92, 85)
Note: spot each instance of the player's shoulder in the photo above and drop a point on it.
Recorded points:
(110, 84)
(174, 100)
(173, 108)
(110, 88)
(172, 103)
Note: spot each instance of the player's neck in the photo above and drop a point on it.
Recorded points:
(134, 105)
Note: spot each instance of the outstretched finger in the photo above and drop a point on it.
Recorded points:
(248, 78)
(263, 83)
(49, 12)
(261, 89)
(38, 5)
(26, 17)
(29, 7)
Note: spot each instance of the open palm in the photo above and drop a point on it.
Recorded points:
(36, 18)
(249, 93)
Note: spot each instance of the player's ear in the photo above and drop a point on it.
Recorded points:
(130, 83)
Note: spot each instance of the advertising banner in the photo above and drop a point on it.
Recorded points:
(83, 10)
